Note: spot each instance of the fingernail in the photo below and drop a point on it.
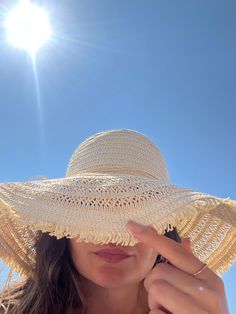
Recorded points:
(135, 227)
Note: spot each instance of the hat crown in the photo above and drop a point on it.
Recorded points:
(122, 151)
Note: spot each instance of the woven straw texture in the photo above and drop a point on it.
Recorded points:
(112, 177)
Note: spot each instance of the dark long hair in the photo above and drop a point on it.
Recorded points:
(174, 235)
(55, 287)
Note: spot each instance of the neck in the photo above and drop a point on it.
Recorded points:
(131, 299)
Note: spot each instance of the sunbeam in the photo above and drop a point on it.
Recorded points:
(38, 100)
(28, 27)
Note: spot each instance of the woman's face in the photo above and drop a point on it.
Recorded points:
(130, 270)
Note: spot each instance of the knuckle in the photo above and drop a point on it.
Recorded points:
(162, 267)
(196, 311)
(213, 296)
(219, 284)
(157, 286)
(215, 300)
(200, 311)
(157, 273)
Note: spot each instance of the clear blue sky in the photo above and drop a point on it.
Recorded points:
(163, 68)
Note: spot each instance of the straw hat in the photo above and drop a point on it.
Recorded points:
(113, 176)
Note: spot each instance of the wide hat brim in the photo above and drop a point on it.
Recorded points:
(96, 207)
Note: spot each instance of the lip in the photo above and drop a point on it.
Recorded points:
(112, 251)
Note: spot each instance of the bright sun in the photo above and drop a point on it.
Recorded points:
(28, 27)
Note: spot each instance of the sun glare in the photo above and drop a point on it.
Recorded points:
(28, 27)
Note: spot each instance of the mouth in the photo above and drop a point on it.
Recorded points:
(112, 257)
(112, 254)
(112, 251)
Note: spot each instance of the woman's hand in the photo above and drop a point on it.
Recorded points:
(173, 288)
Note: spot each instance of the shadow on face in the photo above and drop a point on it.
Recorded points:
(112, 275)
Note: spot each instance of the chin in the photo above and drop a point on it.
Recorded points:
(112, 279)
(111, 284)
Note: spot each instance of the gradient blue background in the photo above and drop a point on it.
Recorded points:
(166, 69)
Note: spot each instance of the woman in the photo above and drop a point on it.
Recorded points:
(76, 243)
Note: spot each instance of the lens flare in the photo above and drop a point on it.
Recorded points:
(28, 27)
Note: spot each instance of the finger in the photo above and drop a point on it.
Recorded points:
(180, 280)
(157, 312)
(170, 249)
(186, 243)
(172, 299)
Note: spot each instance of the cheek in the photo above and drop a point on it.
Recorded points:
(80, 253)
(146, 258)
